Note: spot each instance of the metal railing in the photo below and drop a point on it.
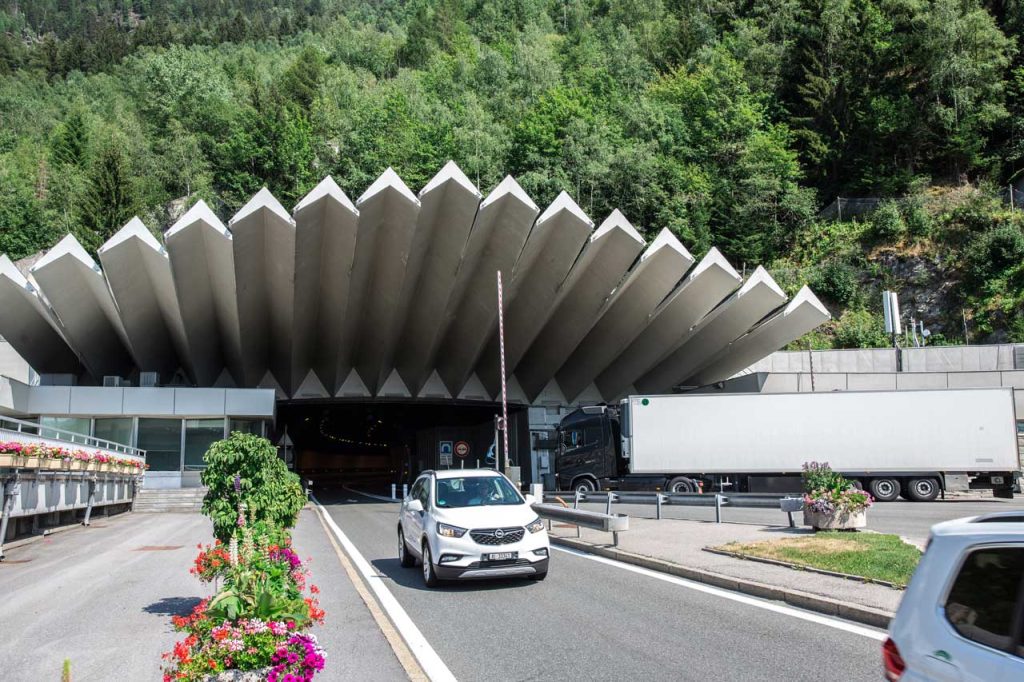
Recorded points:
(27, 428)
(582, 518)
(784, 503)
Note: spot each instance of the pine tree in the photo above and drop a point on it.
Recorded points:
(110, 199)
(71, 140)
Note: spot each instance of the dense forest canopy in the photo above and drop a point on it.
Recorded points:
(731, 122)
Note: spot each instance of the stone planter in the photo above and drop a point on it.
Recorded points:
(31, 462)
(239, 676)
(836, 520)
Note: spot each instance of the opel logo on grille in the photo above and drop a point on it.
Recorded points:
(499, 533)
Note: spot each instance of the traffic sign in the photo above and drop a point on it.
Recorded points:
(462, 449)
(444, 449)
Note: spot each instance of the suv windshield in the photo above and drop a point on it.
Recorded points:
(476, 491)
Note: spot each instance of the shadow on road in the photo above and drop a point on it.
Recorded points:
(413, 578)
(172, 606)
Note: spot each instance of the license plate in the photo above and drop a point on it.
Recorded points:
(500, 556)
(997, 480)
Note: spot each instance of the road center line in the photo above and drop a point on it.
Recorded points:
(428, 659)
(734, 596)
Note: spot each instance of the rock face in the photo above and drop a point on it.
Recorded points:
(927, 292)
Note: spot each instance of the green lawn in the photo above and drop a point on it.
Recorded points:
(868, 555)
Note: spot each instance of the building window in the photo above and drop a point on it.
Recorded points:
(200, 434)
(254, 426)
(161, 439)
(64, 427)
(116, 430)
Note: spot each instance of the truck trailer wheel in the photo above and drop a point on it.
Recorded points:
(884, 489)
(681, 484)
(922, 489)
(584, 485)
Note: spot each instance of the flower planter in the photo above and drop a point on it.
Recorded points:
(31, 462)
(837, 520)
(239, 676)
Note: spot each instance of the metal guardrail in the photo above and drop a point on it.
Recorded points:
(786, 504)
(582, 518)
(28, 428)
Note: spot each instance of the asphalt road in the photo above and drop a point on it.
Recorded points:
(909, 519)
(598, 621)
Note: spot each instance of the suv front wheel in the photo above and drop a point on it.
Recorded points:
(429, 574)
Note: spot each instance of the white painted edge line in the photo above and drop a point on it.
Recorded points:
(734, 596)
(428, 659)
(382, 498)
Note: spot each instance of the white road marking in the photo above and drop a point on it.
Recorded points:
(846, 626)
(370, 495)
(431, 663)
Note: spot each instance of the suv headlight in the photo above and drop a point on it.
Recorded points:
(535, 526)
(444, 530)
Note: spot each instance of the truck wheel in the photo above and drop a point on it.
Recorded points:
(584, 485)
(884, 489)
(681, 484)
(922, 489)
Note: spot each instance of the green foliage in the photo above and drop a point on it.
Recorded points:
(995, 251)
(837, 281)
(860, 329)
(110, 199)
(887, 222)
(270, 492)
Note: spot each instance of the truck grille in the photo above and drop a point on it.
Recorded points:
(497, 536)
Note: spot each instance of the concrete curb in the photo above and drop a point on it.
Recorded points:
(801, 567)
(812, 602)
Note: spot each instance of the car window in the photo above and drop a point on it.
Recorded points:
(476, 491)
(424, 495)
(984, 596)
(572, 438)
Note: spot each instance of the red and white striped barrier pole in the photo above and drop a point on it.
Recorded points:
(504, 393)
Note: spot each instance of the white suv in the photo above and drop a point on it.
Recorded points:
(962, 616)
(471, 523)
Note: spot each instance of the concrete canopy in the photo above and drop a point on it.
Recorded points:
(394, 296)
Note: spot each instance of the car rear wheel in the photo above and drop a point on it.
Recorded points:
(407, 559)
(429, 574)
(885, 489)
(923, 489)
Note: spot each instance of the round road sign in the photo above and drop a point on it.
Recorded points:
(462, 449)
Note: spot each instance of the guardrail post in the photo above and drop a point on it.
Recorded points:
(393, 486)
(615, 538)
(576, 501)
(660, 498)
(92, 499)
(612, 497)
(718, 508)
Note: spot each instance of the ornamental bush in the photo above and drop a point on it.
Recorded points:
(828, 492)
(270, 492)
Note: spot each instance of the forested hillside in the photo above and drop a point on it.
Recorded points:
(730, 122)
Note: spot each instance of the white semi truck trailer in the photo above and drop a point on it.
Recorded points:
(911, 443)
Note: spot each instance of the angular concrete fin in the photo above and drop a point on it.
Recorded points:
(353, 387)
(805, 295)
(589, 396)
(225, 380)
(616, 221)
(509, 186)
(269, 381)
(68, 246)
(474, 389)
(327, 188)
(394, 387)
(714, 258)
(761, 276)
(515, 392)
(434, 388)
(199, 212)
(450, 172)
(388, 180)
(133, 229)
(551, 395)
(666, 240)
(9, 270)
(564, 202)
(262, 199)
(311, 387)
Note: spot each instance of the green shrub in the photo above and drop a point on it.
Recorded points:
(918, 220)
(270, 492)
(860, 329)
(994, 251)
(836, 281)
(887, 222)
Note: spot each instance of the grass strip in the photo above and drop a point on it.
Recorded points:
(869, 555)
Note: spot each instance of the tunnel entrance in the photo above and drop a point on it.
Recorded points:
(376, 443)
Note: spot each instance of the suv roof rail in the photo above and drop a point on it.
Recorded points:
(1001, 517)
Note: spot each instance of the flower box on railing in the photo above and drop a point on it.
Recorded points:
(66, 464)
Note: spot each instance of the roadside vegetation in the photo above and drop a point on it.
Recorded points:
(875, 556)
(263, 606)
(730, 123)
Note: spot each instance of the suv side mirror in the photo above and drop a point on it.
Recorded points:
(414, 506)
